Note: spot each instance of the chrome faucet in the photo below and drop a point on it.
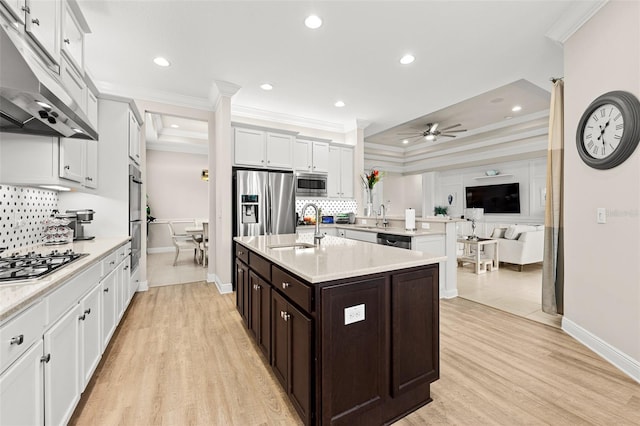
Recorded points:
(317, 236)
(383, 212)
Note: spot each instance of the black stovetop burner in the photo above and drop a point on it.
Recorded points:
(35, 265)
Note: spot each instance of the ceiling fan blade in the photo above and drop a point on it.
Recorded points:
(433, 127)
(446, 136)
(454, 131)
(407, 133)
(450, 127)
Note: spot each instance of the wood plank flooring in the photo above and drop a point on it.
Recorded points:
(182, 357)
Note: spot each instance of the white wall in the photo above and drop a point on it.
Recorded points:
(602, 272)
(401, 192)
(175, 190)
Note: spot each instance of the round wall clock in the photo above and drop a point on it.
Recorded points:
(609, 130)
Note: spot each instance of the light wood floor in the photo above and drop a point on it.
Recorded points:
(182, 357)
(160, 269)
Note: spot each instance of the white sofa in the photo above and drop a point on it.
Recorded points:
(520, 244)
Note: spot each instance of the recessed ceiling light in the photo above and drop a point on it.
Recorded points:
(161, 62)
(405, 141)
(266, 86)
(313, 22)
(339, 104)
(516, 108)
(407, 59)
(508, 117)
(43, 104)
(429, 137)
(175, 126)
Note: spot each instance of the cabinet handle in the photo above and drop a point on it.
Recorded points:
(87, 311)
(240, 253)
(17, 340)
(113, 262)
(126, 267)
(106, 290)
(46, 358)
(268, 161)
(285, 285)
(82, 317)
(67, 167)
(36, 21)
(26, 9)
(66, 40)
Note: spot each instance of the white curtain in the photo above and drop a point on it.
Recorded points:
(553, 266)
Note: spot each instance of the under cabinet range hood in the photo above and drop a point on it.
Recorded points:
(32, 99)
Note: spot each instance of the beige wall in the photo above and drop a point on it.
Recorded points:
(602, 289)
(402, 192)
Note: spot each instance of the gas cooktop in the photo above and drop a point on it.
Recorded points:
(30, 266)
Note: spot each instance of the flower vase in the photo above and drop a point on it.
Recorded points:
(369, 209)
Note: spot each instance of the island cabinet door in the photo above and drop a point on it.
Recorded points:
(279, 338)
(414, 330)
(354, 353)
(242, 291)
(260, 301)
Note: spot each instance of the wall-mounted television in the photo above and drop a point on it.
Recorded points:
(504, 198)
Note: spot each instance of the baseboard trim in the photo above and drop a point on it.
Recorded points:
(449, 294)
(143, 286)
(223, 288)
(618, 359)
(154, 250)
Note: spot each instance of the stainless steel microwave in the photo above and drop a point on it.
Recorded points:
(311, 185)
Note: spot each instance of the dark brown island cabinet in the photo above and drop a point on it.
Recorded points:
(355, 351)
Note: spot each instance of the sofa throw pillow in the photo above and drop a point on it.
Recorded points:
(514, 231)
(498, 233)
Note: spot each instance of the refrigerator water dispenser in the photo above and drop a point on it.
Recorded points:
(249, 208)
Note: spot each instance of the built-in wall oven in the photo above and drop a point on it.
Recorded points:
(135, 215)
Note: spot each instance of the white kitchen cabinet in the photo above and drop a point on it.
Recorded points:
(91, 165)
(72, 159)
(42, 23)
(90, 334)
(21, 389)
(92, 107)
(340, 177)
(122, 277)
(16, 8)
(311, 156)
(62, 368)
(260, 148)
(74, 83)
(432, 244)
(109, 286)
(353, 234)
(72, 37)
(134, 138)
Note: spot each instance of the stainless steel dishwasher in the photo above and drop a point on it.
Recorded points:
(400, 241)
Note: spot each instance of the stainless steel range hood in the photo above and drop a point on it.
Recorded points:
(32, 98)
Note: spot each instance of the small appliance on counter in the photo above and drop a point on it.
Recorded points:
(342, 218)
(57, 230)
(327, 219)
(78, 218)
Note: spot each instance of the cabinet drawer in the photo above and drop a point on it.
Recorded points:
(109, 263)
(260, 265)
(292, 287)
(70, 292)
(22, 331)
(242, 253)
(122, 253)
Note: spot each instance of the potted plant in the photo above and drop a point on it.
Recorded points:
(440, 210)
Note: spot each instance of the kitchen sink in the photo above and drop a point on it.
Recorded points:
(295, 246)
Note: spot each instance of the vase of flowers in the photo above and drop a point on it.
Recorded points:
(369, 181)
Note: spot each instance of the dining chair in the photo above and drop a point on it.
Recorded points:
(181, 240)
(204, 244)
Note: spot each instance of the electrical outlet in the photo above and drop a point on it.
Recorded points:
(364, 221)
(601, 215)
(426, 225)
(353, 314)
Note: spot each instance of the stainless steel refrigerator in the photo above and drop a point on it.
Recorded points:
(265, 203)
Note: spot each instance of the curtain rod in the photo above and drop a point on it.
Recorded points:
(554, 79)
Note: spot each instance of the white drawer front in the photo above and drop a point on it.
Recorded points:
(19, 334)
(69, 293)
(109, 263)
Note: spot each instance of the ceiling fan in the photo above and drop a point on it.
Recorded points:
(431, 133)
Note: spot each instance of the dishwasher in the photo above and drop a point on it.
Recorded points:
(400, 241)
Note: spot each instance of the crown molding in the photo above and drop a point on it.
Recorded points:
(574, 17)
(220, 88)
(283, 118)
(116, 90)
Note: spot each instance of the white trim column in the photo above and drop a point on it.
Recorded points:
(356, 138)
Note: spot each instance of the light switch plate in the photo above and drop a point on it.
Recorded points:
(353, 314)
(601, 215)
(426, 225)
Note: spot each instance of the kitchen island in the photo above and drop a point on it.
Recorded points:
(350, 329)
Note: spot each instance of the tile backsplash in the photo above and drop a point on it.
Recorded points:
(22, 211)
(328, 206)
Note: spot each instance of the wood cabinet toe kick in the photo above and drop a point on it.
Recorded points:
(359, 350)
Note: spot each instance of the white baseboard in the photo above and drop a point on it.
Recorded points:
(223, 288)
(449, 294)
(143, 286)
(619, 359)
(153, 250)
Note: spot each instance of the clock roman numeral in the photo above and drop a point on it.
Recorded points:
(595, 117)
(612, 148)
(616, 136)
(595, 150)
(602, 112)
(589, 127)
(616, 117)
(619, 126)
(590, 144)
(588, 136)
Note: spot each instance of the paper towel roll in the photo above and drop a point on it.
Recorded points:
(410, 219)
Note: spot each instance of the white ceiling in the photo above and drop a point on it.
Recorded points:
(462, 49)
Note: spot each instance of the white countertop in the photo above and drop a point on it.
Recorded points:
(336, 257)
(17, 295)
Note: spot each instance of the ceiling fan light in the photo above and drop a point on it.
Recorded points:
(406, 141)
(430, 137)
(516, 108)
